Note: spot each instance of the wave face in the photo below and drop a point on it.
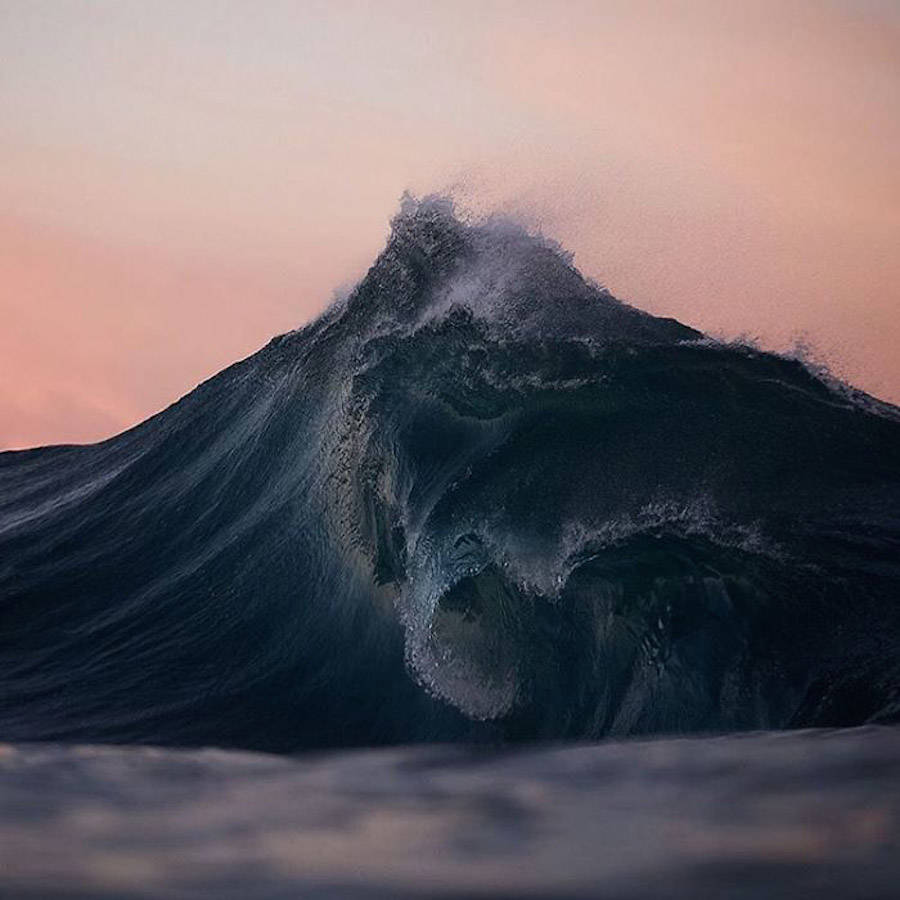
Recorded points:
(479, 499)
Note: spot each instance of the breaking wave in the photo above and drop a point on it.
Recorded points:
(478, 499)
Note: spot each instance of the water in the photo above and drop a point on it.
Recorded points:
(479, 501)
(785, 815)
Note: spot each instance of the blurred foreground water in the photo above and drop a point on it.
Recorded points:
(770, 815)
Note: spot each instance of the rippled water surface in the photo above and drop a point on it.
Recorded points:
(792, 814)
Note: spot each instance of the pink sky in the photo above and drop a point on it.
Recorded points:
(180, 181)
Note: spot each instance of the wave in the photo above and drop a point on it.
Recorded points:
(477, 499)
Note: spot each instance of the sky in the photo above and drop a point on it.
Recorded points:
(180, 181)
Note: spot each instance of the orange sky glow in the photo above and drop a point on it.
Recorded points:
(179, 182)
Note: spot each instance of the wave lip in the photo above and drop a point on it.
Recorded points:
(478, 499)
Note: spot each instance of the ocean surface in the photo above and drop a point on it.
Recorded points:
(478, 502)
(780, 816)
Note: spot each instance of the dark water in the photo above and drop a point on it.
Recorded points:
(479, 500)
